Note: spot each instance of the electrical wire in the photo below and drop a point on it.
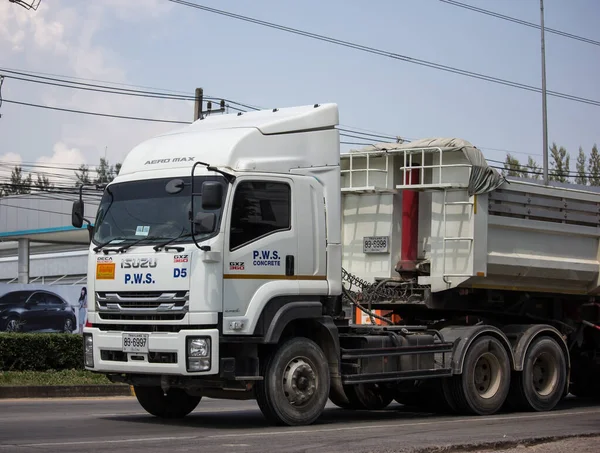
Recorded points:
(387, 54)
(53, 81)
(84, 112)
(520, 21)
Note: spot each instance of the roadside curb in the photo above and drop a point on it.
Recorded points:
(64, 391)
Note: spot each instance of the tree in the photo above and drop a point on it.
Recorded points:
(581, 177)
(43, 183)
(512, 167)
(560, 163)
(106, 173)
(533, 169)
(594, 167)
(19, 184)
(83, 175)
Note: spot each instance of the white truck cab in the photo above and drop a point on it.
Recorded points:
(211, 235)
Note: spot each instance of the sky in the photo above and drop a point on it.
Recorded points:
(166, 46)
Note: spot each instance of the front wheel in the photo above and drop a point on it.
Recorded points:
(175, 403)
(295, 384)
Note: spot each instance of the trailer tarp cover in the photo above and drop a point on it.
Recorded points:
(483, 178)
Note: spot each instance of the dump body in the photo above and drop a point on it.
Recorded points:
(513, 234)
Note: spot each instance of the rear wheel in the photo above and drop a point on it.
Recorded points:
(295, 384)
(541, 384)
(176, 403)
(484, 384)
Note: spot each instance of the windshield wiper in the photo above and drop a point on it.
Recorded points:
(183, 234)
(104, 244)
(131, 244)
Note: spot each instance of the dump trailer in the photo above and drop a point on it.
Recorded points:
(228, 257)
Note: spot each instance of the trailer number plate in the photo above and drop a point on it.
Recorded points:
(135, 342)
(376, 244)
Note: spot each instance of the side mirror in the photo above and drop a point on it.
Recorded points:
(204, 222)
(77, 214)
(212, 195)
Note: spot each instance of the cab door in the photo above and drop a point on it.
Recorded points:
(261, 248)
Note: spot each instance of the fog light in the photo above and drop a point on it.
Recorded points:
(196, 364)
(88, 350)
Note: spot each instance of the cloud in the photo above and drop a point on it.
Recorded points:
(19, 27)
(65, 37)
(60, 166)
(10, 159)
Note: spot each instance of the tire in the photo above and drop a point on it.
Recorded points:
(295, 385)
(175, 404)
(483, 386)
(13, 324)
(68, 326)
(541, 384)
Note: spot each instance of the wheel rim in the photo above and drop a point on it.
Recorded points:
(487, 375)
(12, 325)
(299, 381)
(544, 374)
(68, 325)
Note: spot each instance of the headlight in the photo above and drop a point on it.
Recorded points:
(198, 347)
(88, 350)
(198, 354)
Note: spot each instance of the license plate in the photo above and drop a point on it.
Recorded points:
(376, 244)
(135, 342)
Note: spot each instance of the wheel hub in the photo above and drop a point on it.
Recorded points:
(299, 382)
(544, 374)
(12, 325)
(487, 375)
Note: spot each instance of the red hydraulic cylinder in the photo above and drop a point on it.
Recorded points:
(410, 223)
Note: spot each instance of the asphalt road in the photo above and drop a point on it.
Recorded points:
(118, 424)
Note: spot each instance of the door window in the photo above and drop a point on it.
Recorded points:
(260, 208)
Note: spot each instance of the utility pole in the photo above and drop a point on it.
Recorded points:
(198, 112)
(198, 104)
(544, 109)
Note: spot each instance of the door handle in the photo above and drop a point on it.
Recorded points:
(289, 265)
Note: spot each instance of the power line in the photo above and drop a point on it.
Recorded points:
(387, 54)
(32, 73)
(32, 209)
(520, 21)
(52, 81)
(83, 112)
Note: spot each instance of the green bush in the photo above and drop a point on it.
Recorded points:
(40, 352)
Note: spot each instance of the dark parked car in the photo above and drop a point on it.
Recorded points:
(31, 311)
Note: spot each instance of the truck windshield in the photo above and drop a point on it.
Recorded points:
(151, 209)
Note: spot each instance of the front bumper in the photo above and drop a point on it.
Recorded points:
(167, 353)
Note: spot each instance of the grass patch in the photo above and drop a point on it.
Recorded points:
(62, 377)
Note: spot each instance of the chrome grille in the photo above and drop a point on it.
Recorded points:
(151, 305)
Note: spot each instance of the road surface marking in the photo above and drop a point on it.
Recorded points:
(380, 425)
(98, 442)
